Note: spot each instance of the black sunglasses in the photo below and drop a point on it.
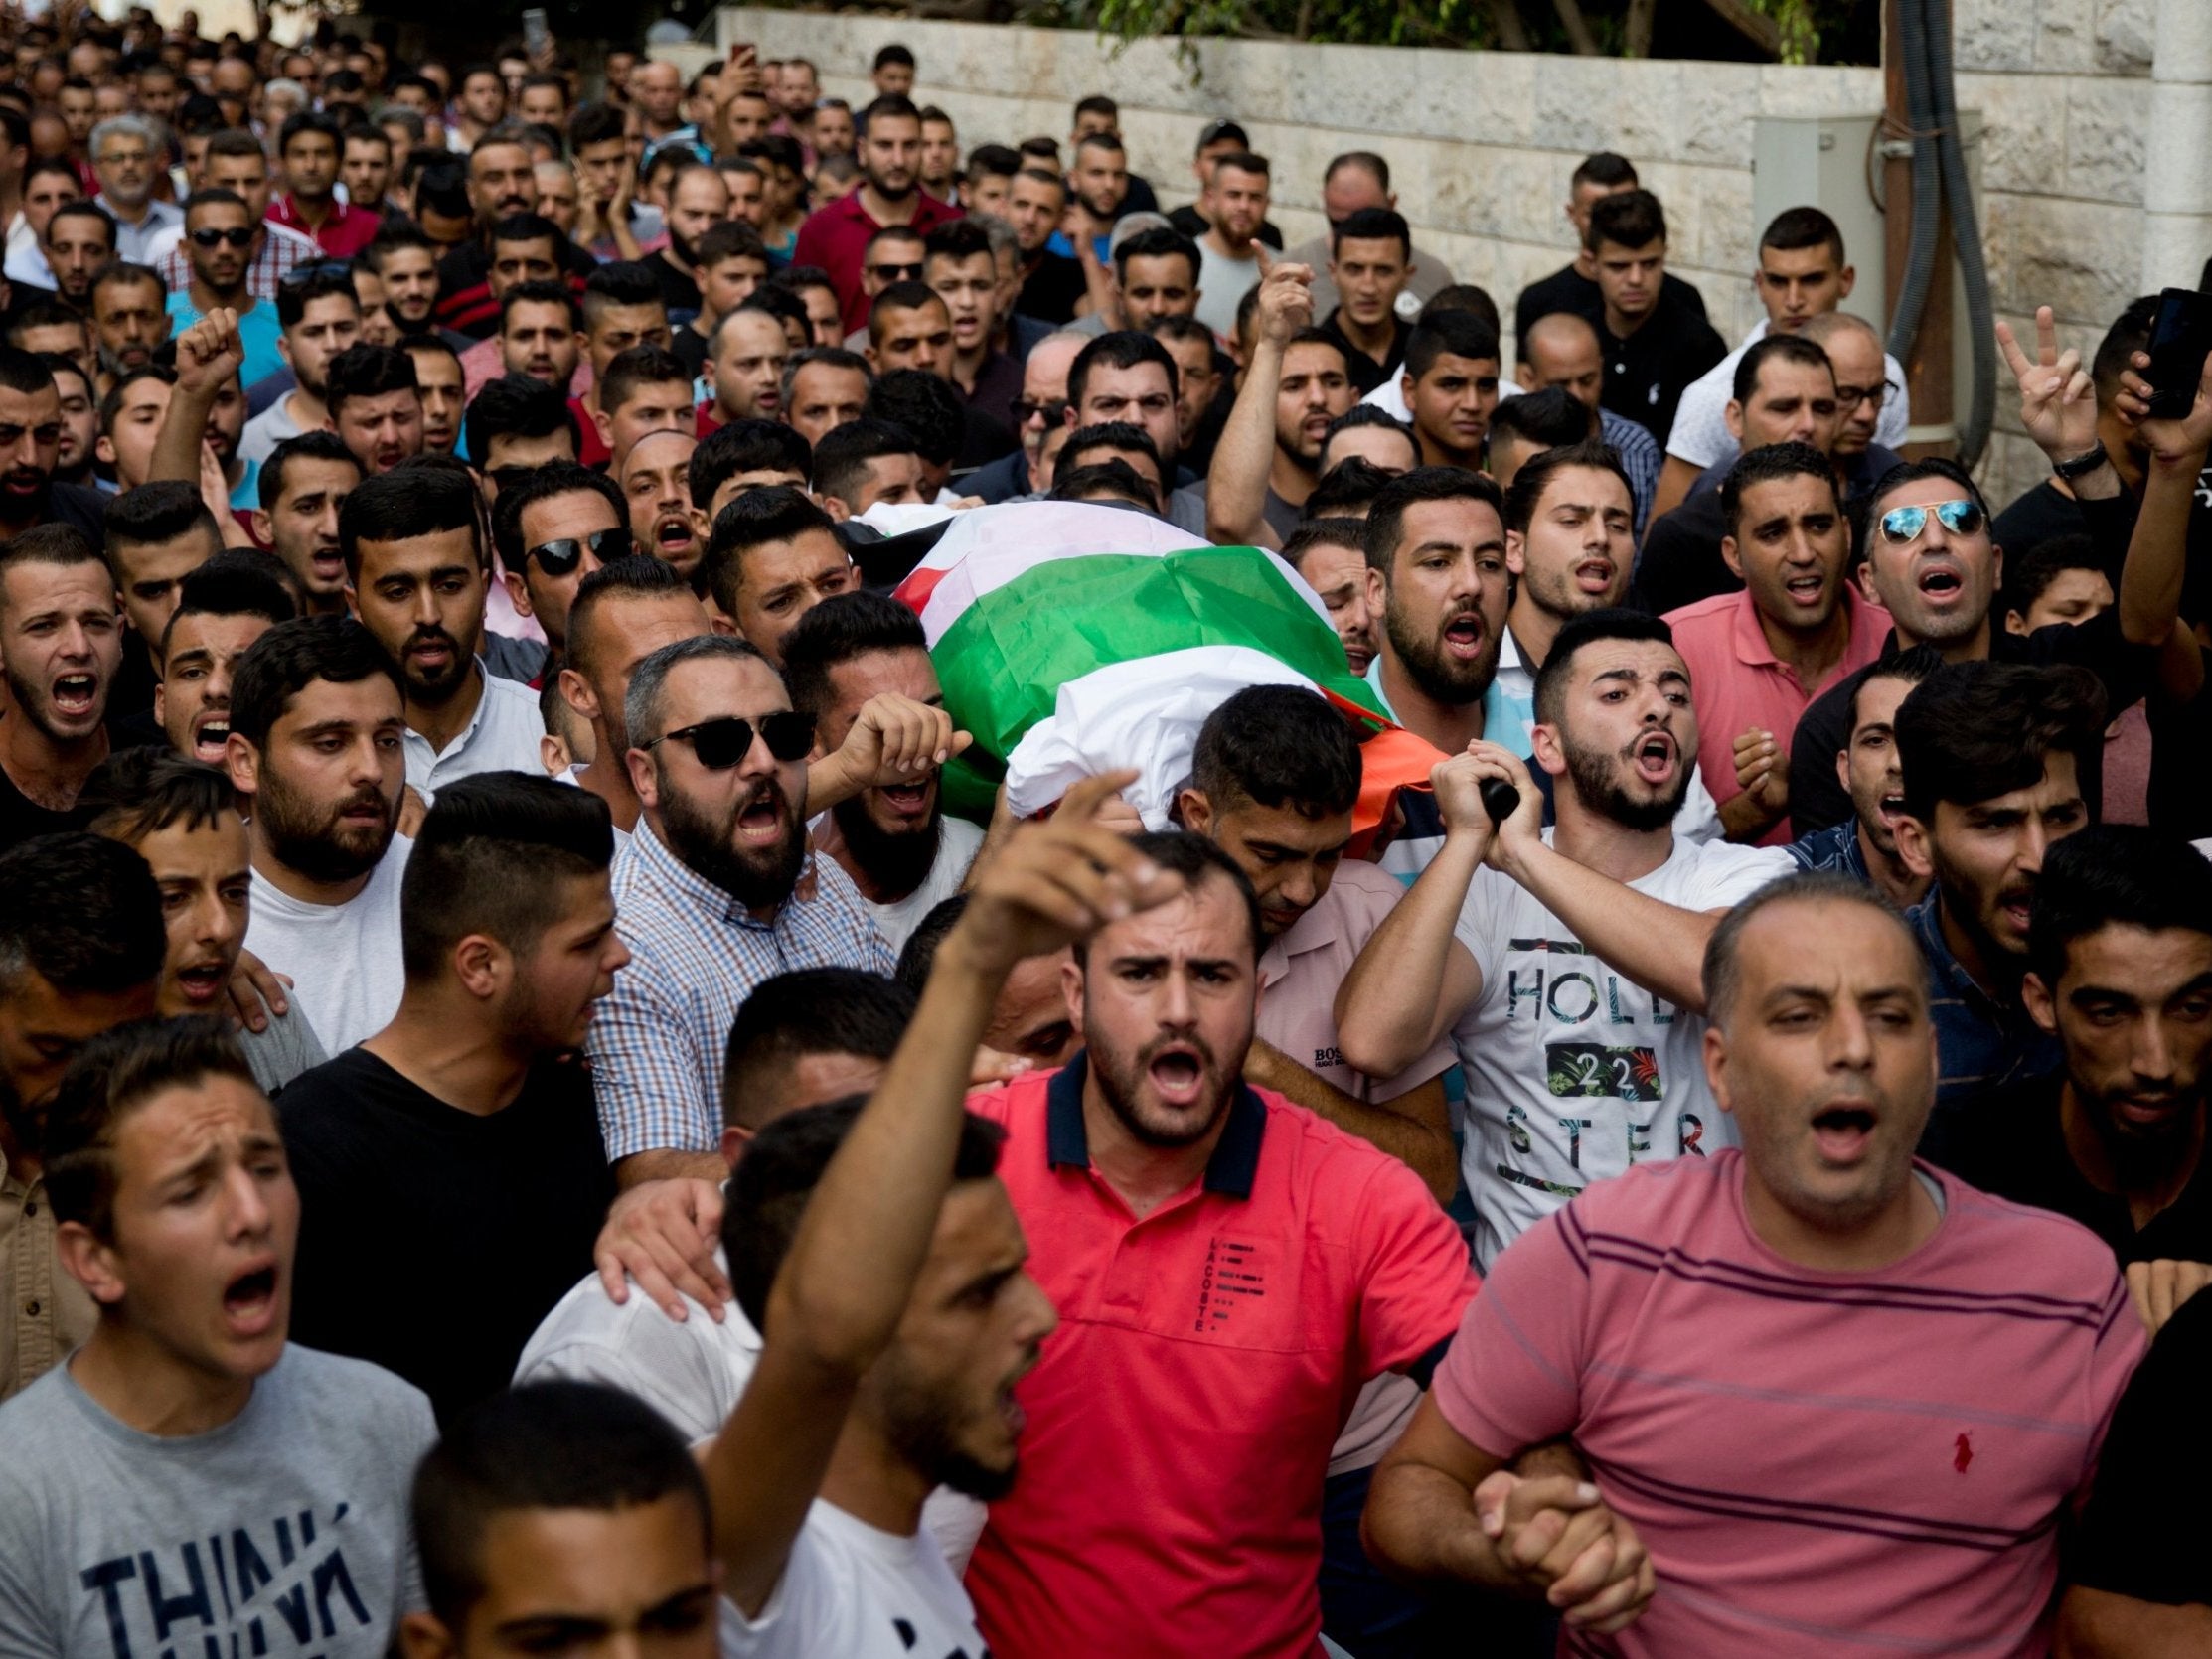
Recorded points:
(722, 743)
(209, 237)
(1053, 409)
(557, 559)
(896, 274)
(299, 276)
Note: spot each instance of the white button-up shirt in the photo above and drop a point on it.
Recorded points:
(502, 736)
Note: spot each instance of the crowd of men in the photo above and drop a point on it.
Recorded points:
(527, 1125)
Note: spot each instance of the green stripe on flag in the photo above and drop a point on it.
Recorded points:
(1003, 662)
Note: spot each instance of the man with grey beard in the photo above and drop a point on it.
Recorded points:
(715, 892)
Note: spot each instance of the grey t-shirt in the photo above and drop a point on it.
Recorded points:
(288, 1047)
(282, 1535)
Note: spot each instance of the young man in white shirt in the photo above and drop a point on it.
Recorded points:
(416, 577)
(1570, 971)
(873, 1388)
(316, 721)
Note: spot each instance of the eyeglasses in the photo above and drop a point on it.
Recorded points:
(210, 236)
(721, 744)
(557, 559)
(1901, 525)
(896, 274)
(1026, 409)
(1848, 398)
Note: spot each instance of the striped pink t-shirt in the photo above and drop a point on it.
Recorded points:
(1820, 1464)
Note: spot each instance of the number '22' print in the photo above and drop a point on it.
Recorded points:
(1623, 1074)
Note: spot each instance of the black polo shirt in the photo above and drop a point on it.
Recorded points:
(1647, 374)
(1365, 372)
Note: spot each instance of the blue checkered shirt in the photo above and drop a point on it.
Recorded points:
(695, 954)
(1640, 459)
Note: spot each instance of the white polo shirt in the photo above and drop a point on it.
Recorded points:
(502, 736)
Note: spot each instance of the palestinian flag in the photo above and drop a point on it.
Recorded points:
(1072, 637)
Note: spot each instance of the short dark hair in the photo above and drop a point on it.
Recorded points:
(594, 123)
(517, 406)
(1194, 858)
(928, 407)
(838, 630)
(292, 656)
(1590, 628)
(1627, 219)
(2129, 333)
(2115, 875)
(1602, 167)
(122, 273)
(1118, 348)
(1162, 241)
(1777, 347)
(558, 1443)
(407, 503)
(143, 790)
(841, 459)
(995, 159)
(236, 581)
(894, 54)
(637, 367)
(1386, 519)
(83, 913)
(1112, 479)
(1372, 225)
(1469, 297)
(557, 478)
(1798, 228)
(1276, 746)
(111, 1076)
(1325, 531)
(22, 372)
(889, 106)
(1341, 496)
(549, 292)
(1106, 435)
(1538, 470)
(809, 1011)
(919, 954)
(784, 1163)
(2027, 579)
(1912, 665)
(732, 238)
(774, 513)
(155, 512)
(956, 239)
(366, 370)
(1972, 731)
(481, 831)
(1549, 417)
(744, 446)
(526, 226)
(318, 445)
(1460, 334)
(1769, 464)
(638, 573)
(303, 287)
(309, 121)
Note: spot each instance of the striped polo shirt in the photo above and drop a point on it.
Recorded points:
(1865, 1463)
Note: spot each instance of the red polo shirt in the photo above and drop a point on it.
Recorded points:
(343, 235)
(1180, 1423)
(835, 237)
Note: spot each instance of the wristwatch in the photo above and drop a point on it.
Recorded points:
(2082, 465)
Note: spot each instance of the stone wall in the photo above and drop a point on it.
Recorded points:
(1481, 143)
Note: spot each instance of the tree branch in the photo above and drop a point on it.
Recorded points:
(1577, 27)
(1762, 31)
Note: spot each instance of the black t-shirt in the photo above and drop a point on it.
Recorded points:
(678, 292)
(689, 347)
(21, 818)
(2156, 1459)
(131, 693)
(2013, 1143)
(1817, 800)
(983, 441)
(2045, 511)
(1680, 563)
(1051, 289)
(1647, 374)
(1364, 371)
(433, 1240)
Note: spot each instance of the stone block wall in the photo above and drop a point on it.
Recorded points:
(1481, 143)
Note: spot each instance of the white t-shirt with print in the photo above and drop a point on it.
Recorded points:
(1574, 1072)
(1700, 432)
(343, 958)
(859, 1593)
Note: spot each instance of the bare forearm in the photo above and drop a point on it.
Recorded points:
(1420, 1528)
(1743, 819)
(1236, 483)
(1421, 1148)
(1658, 945)
(176, 446)
(2150, 580)
(1390, 1006)
(669, 1165)
(2095, 1624)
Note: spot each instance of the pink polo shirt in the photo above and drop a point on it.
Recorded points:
(1179, 1422)
(1820, 1464)
(1737, 683)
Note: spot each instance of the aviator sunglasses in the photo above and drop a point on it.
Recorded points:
(557, 559)
(722, 743)
(1904, 523)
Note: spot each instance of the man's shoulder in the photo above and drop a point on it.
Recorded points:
(2021, 1244)
(1706, 862)
(324, 1108)
(1656, 1203)
(1705, 620)
(349, 1388)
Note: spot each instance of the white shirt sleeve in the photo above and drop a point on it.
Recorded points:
(1700, 433)
(1897, 413)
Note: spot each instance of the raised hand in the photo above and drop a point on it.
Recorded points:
(896, 740)
(2171, 439)
(2058, 401)
(209, 353)
(1059, 880)
(1286, 302)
